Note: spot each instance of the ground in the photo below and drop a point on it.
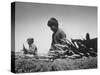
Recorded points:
(28, 64)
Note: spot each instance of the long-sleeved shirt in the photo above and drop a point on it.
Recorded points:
(31, 48)
(58, 38)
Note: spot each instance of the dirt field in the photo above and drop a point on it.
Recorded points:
(28, 64)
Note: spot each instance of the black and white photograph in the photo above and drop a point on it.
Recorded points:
(53, 37)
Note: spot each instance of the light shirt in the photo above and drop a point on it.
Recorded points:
(27, 47)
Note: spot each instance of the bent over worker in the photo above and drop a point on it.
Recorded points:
(58, 36)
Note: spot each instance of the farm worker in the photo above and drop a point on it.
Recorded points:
(29, 47)
(58, 36)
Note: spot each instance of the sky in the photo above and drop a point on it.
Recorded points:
(31, 21)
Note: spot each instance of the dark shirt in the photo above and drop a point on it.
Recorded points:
(58, 38)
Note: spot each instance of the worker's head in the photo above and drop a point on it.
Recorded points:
(30, 41)
(53, 24)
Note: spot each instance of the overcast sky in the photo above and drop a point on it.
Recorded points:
(31, 21)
